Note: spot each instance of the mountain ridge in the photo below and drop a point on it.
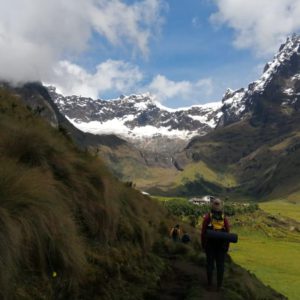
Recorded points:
(138, 117)
(252, 121)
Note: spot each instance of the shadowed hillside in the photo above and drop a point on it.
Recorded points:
(264, 157)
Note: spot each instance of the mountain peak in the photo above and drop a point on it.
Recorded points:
(137, 116)
(286, 52)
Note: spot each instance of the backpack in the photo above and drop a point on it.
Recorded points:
(217, 224)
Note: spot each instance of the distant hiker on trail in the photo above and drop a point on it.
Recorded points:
(185, 238)
(175, 233)
(215, 249)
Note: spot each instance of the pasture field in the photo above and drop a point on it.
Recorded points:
(269, 246)
(275, 262)
(289, 209)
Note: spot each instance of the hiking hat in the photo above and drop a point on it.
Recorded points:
(217, 204)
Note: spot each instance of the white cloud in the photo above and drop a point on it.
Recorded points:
(111, 75)
(114, 76)
(36, 34)
(164, 89)
(259, 24)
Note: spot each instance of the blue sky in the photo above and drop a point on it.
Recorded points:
(187, 48)
(182, 52)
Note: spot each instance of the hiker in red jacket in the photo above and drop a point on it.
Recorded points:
(215, 249)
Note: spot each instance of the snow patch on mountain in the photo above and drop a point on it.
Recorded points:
(116, 126)
(208, 106)
(137, 116)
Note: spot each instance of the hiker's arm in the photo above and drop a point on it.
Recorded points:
(203, 230)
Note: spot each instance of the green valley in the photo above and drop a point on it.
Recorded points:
(71, 230)
(120, 179)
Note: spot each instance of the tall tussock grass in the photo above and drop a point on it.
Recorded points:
(68, 229)
(38, 233)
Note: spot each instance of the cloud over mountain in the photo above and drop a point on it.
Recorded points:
(111, 75)
(165, 88)
(259, 24)
(35, 35)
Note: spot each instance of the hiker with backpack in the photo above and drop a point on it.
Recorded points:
(175, 233)
(214, 224)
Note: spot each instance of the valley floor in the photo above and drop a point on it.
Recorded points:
(271, 250)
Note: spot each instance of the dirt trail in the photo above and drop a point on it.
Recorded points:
(186, 280)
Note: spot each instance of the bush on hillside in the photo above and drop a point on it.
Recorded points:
(183, 208)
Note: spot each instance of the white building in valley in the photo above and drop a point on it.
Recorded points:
(203, 200)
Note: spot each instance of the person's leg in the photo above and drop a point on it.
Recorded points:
(220, 258)
(209, 266)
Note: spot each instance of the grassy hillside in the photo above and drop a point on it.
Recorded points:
(262, 158)
(283, 207)
(155, 172)
(243, 159)
(70, 230)
(67, 225)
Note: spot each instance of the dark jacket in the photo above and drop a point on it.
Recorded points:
(207, 243)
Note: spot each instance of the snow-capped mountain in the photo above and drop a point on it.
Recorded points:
(279, 84)
(140, 117)
(137, 116)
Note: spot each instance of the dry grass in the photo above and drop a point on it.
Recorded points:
(61, 211)
(68, 228)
